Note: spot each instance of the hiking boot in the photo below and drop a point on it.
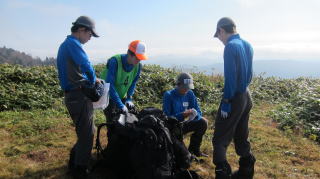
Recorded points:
(71, 160)
(246, 168)
(80, 172)
(223, 170)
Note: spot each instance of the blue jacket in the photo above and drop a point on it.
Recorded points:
(238, 55)
(111, 77)
(73, 65)
(174, 104)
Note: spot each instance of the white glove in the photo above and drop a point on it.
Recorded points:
(224, 114)
(193, 114)
(130, 104)
(125, 109)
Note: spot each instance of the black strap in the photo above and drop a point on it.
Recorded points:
(98, 146)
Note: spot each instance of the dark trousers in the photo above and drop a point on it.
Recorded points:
(81, 112)
(234, 127)
(198, 127)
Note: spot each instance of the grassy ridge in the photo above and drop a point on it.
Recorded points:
(298, 100)
(41, 151)
(36, 133)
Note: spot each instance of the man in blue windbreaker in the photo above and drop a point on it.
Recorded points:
(123, 72)
(182, 104)
(233, 114)
(74, 71)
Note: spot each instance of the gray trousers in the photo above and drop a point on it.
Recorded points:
(234, 127)
(81, 111)
(198, 128)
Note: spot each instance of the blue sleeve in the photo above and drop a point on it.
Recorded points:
(133, 85)
(229, 72)
(196, 106)
(111, 78)
(167, 107)
(250, 71)
(80, 57)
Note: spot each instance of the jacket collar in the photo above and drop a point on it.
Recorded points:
(235, 36)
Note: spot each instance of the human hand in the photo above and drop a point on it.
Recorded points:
(130, 104)
(224, 114)
(225, 110)
(193, 114)
(98, 80)
(124, 109)
(187, 113)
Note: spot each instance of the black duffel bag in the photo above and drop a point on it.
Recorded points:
(93, 92)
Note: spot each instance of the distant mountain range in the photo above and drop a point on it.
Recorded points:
(266, 68)
(277, 68)
(11, 56)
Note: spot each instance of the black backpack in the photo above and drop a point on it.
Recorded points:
(181, 155)
(152, 147)
(152, 154)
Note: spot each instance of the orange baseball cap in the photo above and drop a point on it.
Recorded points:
(139, 49)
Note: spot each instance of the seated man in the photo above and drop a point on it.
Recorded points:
(181, 103)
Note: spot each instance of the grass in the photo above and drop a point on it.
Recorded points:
(36, 144)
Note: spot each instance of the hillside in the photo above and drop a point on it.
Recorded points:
(11, 56)
(37, 134)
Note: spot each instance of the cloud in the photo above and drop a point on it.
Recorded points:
(294, 51)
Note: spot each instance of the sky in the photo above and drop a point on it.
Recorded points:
(175, 31)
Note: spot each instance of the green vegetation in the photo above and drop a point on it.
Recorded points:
(297, 100)
(36, 133)
(28, 88)
(300, 112)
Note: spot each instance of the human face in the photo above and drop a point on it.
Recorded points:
(183, 90)
(133, 60)
(84, 35)
(223, 36)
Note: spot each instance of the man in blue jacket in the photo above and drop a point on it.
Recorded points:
(122, 72)
(74, 71)
(233, 114)
(182, 104)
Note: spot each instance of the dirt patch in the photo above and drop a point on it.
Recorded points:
(38, 156)
(296, 162)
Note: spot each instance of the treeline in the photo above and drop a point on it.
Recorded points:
(14, 57)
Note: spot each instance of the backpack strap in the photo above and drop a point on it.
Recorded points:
(167, 134)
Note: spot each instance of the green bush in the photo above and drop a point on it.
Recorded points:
(298, 100)
(28, 88)
(302, 110)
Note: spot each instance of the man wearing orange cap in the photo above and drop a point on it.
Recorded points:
(122, 72)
